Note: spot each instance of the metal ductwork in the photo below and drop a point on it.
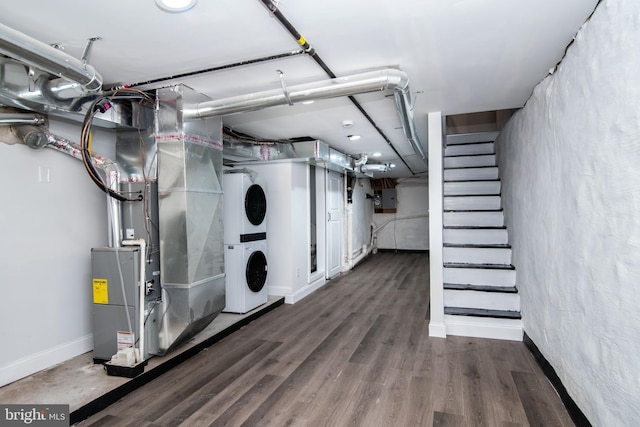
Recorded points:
(405, 109)
(372, 81)
(332, 88)
(189, 154)
(76, 77)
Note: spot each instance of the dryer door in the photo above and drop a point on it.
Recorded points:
(256, 273)
(255, 204)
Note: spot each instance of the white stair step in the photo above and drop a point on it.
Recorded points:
(482, 300)
(470, 161)
(471, 187)
(471, 174)
(477, 219)
(472, 254)
(472, 203)
(469, 149)
(477, 236)
(486, 276)
(465, 138)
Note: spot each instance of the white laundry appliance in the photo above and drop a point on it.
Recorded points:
(245, 244)
(245, 208)
(246, 281)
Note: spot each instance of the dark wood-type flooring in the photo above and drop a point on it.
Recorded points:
(354, 353)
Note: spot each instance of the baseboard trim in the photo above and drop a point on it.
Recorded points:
(484, 327)
(573, 409)
(304, 292)
(45, 359)
(404, 251)
(437, 330)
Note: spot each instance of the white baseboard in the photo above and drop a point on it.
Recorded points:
(294, 297)
(484, 327)
(437, 330)
(44, 359)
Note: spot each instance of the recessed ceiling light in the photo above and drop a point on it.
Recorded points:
(377, 154)
(347, 123)
(354, 137)
(311, 101)
(176, 6)
(393, 165)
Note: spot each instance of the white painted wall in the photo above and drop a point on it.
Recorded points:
(571, 191)
(361, 212)
(408, 228)
(48, 230)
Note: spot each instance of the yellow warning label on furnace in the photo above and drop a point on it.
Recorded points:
(100, 291)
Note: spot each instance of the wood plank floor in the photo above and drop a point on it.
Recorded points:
(354, 353)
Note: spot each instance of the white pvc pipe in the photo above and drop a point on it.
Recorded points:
(143, 289)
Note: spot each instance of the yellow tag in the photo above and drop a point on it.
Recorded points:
(100, 291)
(301, 41)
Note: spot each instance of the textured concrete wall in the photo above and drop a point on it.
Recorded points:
(570, 167)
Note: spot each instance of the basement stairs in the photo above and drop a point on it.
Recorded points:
(480, 293)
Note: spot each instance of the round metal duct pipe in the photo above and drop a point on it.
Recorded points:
(341, 86)
(44, 57)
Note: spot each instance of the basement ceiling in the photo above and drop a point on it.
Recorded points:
(461, 56)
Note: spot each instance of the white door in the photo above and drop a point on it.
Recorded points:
(335, 201)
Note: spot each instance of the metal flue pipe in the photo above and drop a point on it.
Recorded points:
(341, 86)
(405, 109)
(44, 57)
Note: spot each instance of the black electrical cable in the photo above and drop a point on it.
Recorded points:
(102, 104)
(220, 68)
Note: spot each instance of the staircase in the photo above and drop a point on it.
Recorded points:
(480, 294)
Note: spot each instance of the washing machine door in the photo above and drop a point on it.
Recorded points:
(256, 273)
(255, 204)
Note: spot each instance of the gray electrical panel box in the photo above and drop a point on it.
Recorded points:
(110, 304)
(389, 198)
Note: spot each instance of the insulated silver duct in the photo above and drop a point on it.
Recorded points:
(372, 81)
(191, 216)
(84, 78)
(342, 86)
(405, 109)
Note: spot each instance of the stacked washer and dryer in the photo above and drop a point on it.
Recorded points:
(245, 240)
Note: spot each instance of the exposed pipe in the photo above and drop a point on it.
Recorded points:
(407, 121)
(141, 291)
(220, 68)
(42, 56)
(21, 119)
(405, 108)
(372, 81)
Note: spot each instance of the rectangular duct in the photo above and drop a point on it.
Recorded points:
(190, 215)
